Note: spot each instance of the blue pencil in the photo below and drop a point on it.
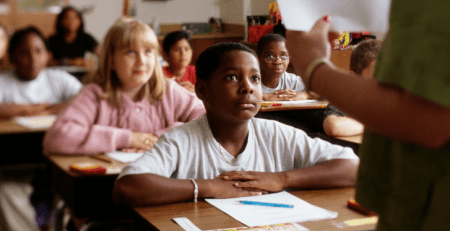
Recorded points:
(266, 204)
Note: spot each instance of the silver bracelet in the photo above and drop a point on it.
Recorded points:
(195, 190)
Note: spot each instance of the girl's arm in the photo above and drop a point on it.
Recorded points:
(181, 106)
(383, 109)
(76, 132)
(335, 125)
(150, 189)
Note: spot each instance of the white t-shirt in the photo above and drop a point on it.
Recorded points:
(50, 86)
(287, 81)
(190, 151)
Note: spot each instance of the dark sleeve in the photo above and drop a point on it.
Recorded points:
(91, 43)
(332, 110)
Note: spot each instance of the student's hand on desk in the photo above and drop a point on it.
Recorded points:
(35, 109)
(285, 95)
(267, 181)
(225, 189)
(188, 85)
(142, 141)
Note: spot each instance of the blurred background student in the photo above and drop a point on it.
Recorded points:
(71, 44)
(28, 89)
(277, 84)
(362, 63)
(178, 54)
(4, 64)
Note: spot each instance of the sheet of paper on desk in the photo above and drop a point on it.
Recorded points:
(36, 122)
(291, 103)
(346, 15)
(277, 227)
(253, 215)
(124, 157)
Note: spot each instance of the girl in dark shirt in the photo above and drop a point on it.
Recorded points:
(70, 43)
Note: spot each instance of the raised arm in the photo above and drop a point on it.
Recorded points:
(383, 109)
(335, 125)
(150, 189)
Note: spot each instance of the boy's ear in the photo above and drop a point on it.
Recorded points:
(201, 89)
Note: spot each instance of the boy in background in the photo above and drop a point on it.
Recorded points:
(277, 84)
(362, 63)
(178, 54)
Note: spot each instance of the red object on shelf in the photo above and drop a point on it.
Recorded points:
(256, 32)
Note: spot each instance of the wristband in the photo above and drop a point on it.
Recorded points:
(312, 66)
(195, 190)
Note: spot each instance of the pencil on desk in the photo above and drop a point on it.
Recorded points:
(102, 158)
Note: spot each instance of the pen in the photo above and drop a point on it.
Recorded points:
(356, 206)
(266, 204)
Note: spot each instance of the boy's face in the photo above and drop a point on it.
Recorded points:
(233, 92)
(30, 57)
(180, 54)
(367, 72)
(274, 60)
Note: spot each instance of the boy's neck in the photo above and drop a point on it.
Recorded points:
(231, 136)
(270, 82)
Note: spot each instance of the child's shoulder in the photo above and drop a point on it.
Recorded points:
(272, 127)
(193, 129)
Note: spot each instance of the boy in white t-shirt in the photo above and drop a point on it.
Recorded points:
(227, 152)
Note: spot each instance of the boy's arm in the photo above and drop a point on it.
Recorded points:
(330, 174)
(11, 110)
(151, 189)
(334, 125)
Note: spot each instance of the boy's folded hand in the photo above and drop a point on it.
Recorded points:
(271, 182)
(226, 189)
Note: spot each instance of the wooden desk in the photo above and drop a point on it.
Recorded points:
(352, 139)
(11, 127)
(309, 118)
(205, 216)
(86, 195)
(21, 145)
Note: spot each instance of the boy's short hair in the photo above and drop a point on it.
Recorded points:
(173, 38)
(18, 36)
(268, 38)
(209, 60)
(364, 53)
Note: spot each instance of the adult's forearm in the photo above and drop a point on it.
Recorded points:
(384, 109)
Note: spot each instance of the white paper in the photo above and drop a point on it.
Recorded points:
(253, 215)
(346, 15)
(36, 122)
(277, 227)
(186, 224)
(124, 157)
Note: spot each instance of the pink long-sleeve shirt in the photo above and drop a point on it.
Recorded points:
(91, 125)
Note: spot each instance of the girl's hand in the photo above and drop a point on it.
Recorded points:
(266, 181)
(226, 189)
(142, 141)
(304, 47)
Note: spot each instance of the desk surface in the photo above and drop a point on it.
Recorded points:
(352, 139)
(312, 105)
(11, 127)
(205, 216)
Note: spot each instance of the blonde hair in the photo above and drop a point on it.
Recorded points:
(122, 34)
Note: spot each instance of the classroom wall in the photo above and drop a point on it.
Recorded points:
(103, 16)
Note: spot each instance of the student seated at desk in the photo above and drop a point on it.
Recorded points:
(128, 103)
(277, 84)
(71, 43)
(28, 89)
(178, 54)
(31, 89)
(227, 151)
(362, 63)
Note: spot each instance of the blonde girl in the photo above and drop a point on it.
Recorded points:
(128, 103)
